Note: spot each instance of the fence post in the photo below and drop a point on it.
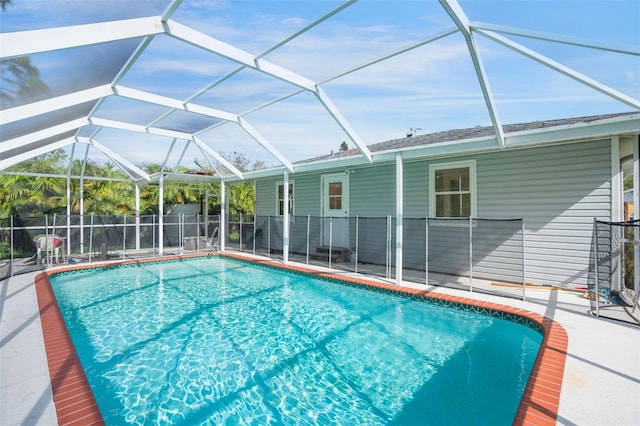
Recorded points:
(254, 233)
(91, 239)
(595, 257)
(46, 233)
(240, 236)
(81, 231)
(308, 233)
(388, 262)
(269, 235)
(470, 254)
(153, 235)
(124, 236)
(426, 251)
(357, 238)
(330, 238)
(524, 276)
(11, 243)
(198, 233)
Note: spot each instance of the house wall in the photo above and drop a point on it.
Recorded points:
(558, 190)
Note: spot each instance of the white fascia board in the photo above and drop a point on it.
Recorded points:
(571, 132)
(29, 42)
(569, 72)
(141, 95)
(43, 134)
(442, 149)
(121, 161)
(342, 122)
(332, 163)
(555, 38)
(219, 158)
(11, 161)
(211, 112)
(238, 55)
(53, 104)
(320, 165)
(265, 144)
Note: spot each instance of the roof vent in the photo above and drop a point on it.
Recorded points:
(413, 131)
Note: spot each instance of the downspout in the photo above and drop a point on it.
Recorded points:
(616, 200)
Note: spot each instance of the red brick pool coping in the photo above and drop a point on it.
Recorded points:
(76, 405)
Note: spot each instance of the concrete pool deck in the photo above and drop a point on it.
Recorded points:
(600, 386)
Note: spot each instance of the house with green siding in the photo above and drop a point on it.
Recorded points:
(536, 197)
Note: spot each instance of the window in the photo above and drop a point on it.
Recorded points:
(452, 189)
(280, 206)
(335, 195)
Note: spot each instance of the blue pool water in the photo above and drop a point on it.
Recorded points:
(220, 341)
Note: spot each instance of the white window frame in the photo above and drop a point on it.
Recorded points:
(471, 164)
(292, 186)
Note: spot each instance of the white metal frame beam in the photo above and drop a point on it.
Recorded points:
(24, 140)
(36, 41)
(458, 16)
(235, 54)
(265, 143)
(569, 72)
(126, 166)
(168, 133)
(175, 104)
(555, 38)
(246, 59)
(5, 163)
(53, 104)
(216, 156)
(342, 122)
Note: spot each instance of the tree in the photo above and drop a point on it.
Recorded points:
(344, 146)
(34, 195)
(21, 81)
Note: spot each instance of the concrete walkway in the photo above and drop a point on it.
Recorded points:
(601, 384)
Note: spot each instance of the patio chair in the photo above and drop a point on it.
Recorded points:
(51, 245)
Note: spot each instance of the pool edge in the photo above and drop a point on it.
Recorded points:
(75, 402)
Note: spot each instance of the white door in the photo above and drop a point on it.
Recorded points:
(335, 193)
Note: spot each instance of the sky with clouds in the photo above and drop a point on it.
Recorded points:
(432, 87)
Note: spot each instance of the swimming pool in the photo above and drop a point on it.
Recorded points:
(208, 340)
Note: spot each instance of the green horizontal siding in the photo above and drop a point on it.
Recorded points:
(557, 190)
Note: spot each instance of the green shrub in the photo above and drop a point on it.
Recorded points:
(5, 251)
